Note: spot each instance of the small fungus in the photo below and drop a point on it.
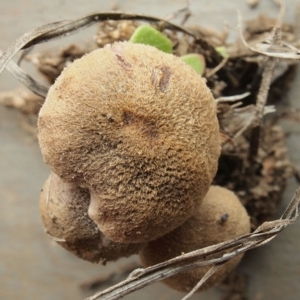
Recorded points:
(137, 128)
(201, 230)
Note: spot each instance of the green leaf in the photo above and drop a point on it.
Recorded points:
(147, 35)
(196, 61)
(222, 51)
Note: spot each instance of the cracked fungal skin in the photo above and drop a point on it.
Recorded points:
(138, 128)
(63, 208)
(220, 217)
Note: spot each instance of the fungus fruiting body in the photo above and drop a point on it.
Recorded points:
(63, 208)
(220, 217)
(137, 128)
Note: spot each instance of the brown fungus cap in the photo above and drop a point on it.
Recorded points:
(220, 217)
(138, 128)
(63, 208)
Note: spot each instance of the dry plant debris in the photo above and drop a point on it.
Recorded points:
(258, 179)
(25, 101)
(51, 64)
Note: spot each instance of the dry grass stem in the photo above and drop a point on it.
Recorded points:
(208, 274)
(217, 68)
(270, 64)
(26, 79)
(232, 98)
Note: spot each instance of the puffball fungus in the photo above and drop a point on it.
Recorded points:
(136, 127)
(220, 217)
(63, 208)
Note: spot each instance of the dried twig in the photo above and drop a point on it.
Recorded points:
(185, 12)
(208, 274)
(267, 75)
(217, 68)
(232, 98)
(271, 47)
(26, 79)
(261, 101)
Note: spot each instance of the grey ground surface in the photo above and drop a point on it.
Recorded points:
(31, 267)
